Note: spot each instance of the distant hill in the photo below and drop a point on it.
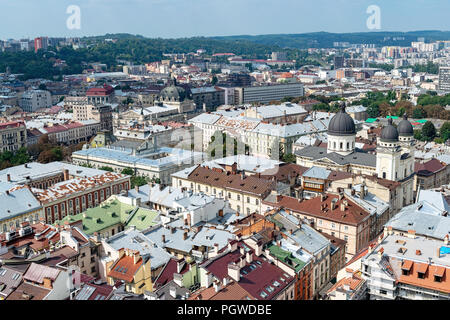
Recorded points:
(326, 39)
(301, 40)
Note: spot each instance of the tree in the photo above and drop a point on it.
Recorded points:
(400, 112)
(445, 131)
(128, 171)
(418, 135)
(105, 168)
(289, 158)
(428, 131)
(419, 113)
(138, 181)
(373, 111)
(214, 80)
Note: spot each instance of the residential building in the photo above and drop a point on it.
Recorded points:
(13, 136)
(333, 214)
(244, 193)
(208, 98)
(444, 79)
(33, 100)
(431, 174)
(244, 267)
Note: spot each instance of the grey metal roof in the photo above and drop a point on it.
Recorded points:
(422, 217)
(316, 172)
(136, 240)
(360, 158)
(18, 202)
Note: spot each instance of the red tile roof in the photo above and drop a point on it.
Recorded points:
(353, 214)
(167, 274)
(429, 167)
(250, 184)
(263, 275)
(125, 268)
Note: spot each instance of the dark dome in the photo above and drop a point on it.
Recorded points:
(173, 93)
(389, 132)
(405, 127)
(341, 124)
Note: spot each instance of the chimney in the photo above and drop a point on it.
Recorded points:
(7, 192)
(249, 256)
(342, 206)
(438, 253)
(173, 292)
(234, 272)
(136, 188)
(180, 263)
(446, 239)
(8, 177)
(185, 235)
(163, 238)
(216, 248)
(136, 257)
(66, 174)
(221, 213)
(216, 285)
(333, 205)
(412, 234)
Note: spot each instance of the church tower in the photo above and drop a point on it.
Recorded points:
(341, 133)
(388, 153)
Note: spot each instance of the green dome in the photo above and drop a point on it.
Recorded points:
(173, 93)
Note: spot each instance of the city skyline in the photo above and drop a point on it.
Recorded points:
(211, 18)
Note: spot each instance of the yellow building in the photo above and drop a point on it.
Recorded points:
(134, 270)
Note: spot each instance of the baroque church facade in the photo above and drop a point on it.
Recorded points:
(394, 158)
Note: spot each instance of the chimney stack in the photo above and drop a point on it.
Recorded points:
(342, 206)
(163, 238)
(185, 235)
(66, 174)
(8, 177)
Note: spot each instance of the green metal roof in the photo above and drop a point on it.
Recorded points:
(370, 120)
(393, 117)
(110, 213)
(286, 257)
(422, 121)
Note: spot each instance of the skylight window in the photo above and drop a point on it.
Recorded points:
(270, 289)
(276, 283)
(263, 295)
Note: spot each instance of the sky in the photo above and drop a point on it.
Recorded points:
(186, 18)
